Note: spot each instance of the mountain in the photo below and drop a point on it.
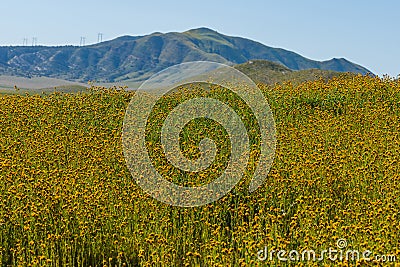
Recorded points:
(135, 58)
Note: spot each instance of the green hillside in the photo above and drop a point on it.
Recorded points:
(267, 72)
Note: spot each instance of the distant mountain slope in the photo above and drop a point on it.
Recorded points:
(137, 57)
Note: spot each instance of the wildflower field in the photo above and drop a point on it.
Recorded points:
(68, 199)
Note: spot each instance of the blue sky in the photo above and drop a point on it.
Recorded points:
(365, 32)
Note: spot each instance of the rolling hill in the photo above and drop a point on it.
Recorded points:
(268, 72)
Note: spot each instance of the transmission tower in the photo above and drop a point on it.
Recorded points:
(83, 40)
(99, 37)
(34, 41)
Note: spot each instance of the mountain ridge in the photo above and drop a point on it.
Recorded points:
(137, 57)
